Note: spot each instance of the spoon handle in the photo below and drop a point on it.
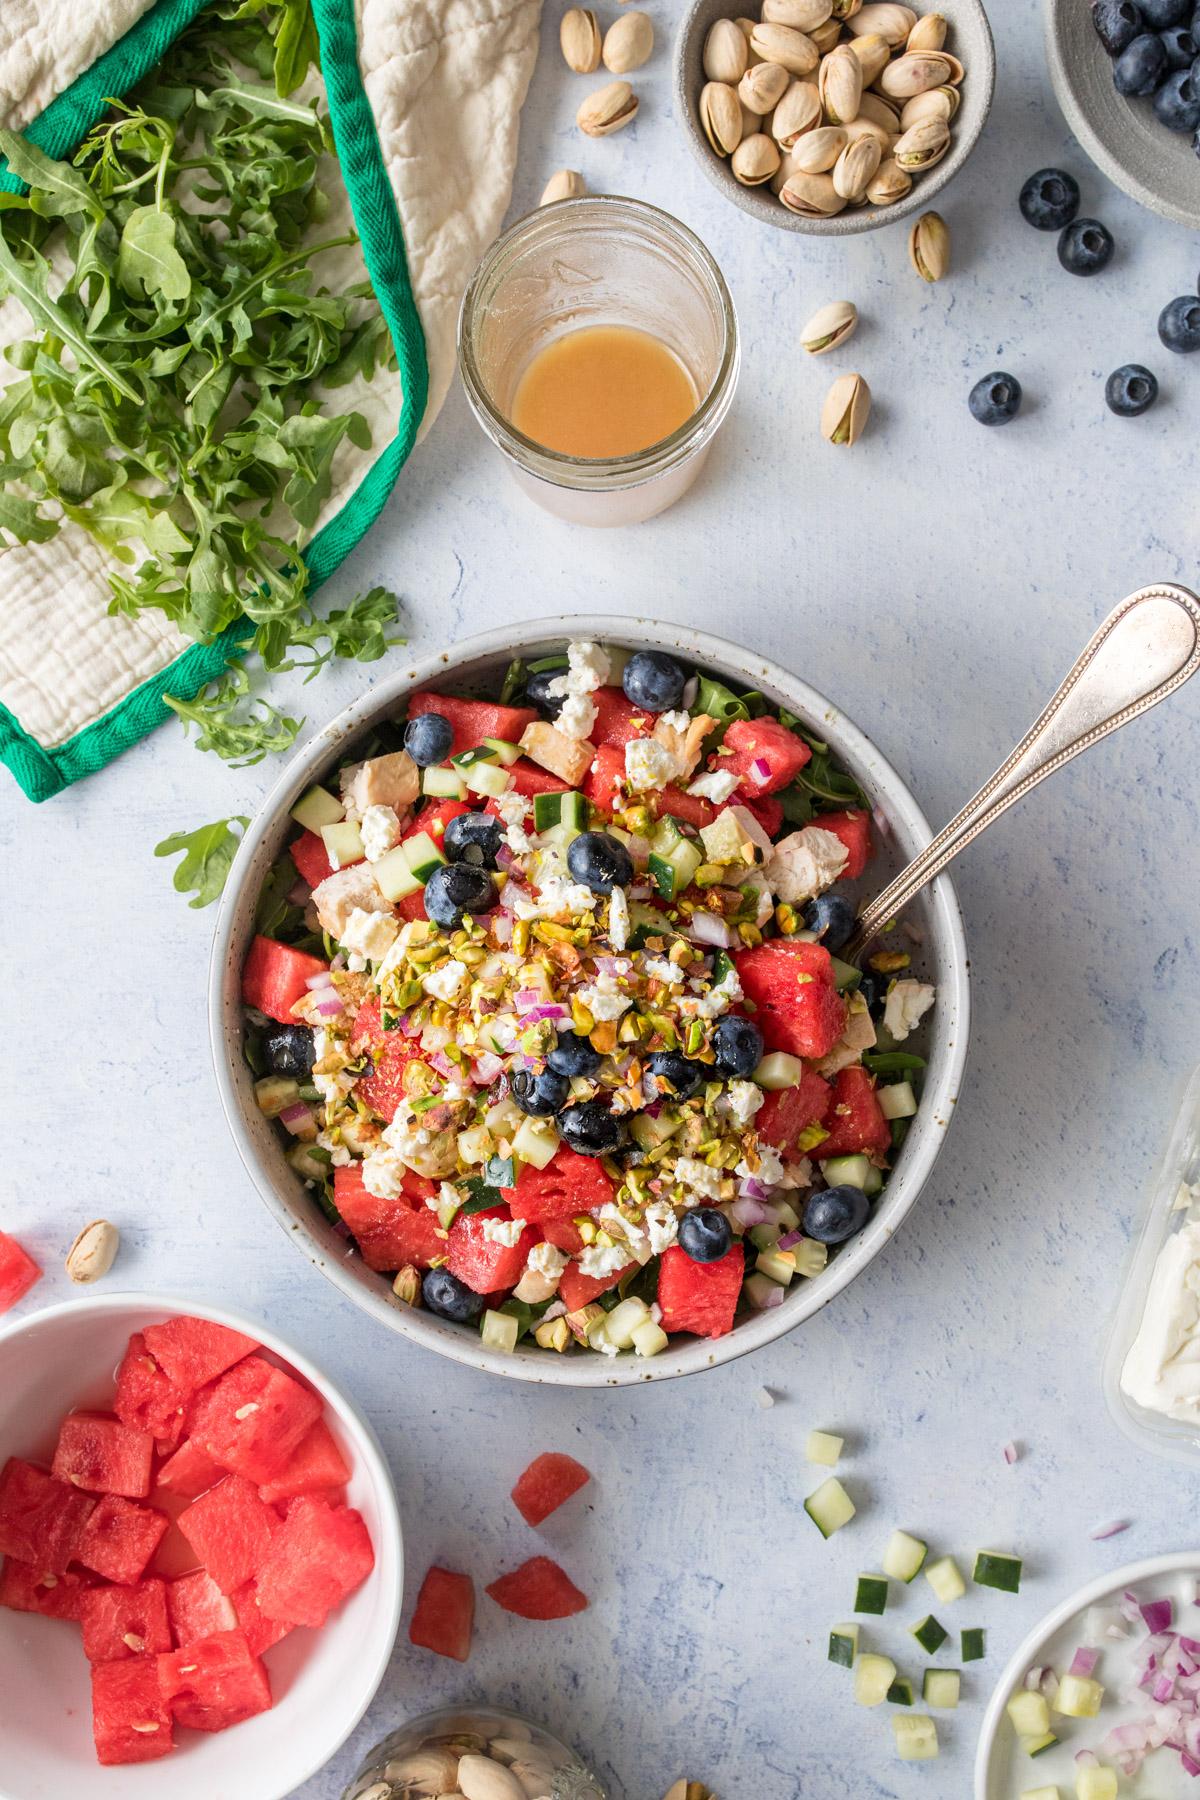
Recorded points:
(1146, 648)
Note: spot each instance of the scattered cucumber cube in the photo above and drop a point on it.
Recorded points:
(929, 1634)
(501, 751)
(343, 843)
(275, 1093)
(624, 1320)
(649, 1339)
(822, 1447)
(873, 1676)
(846, 1171)
(940, 1688)
(777, 1071)
(499, 1331)
(1078, 1697)
(1030, 1713)
(550, 810)
(776, 1265)
(394, 874)
(759, 1291)
(901, 1691)
(916, 1737)
(535, 1142)
(671, 871)
(843, 1645)
(830, 1507)
(945, 1580)
(648, 1132)
(897, 1101)
(316, 808)
(307, 1163)
(1096, 1784)
(871, 1595)
(1042, 1793)
(1034, 1746)
(441, 783)
(423, 855)
(904, 1556)
(972, 1646)
(487, 778)
(845, 976)
(994, 1569)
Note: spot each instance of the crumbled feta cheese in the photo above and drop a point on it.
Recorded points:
(380, 828)
(503, 1231)
(618, 919)
(445, 982)
(798, 1174)
(662, 1223)
(576, 716)
(447, 1195)
(513, 809)
(716, 786)
(906, 1005)
(765, 1398)
(698, 1177)
(804, 864)
(649, 765)
(720, 997)
(598, 1261)
(587, 669)
(603, 998)
(556, 897)
(662, 970)
(858, 1035)
(368, 936)
(770, 1166)
(743, 1099)
(545, 1260)
(339, 1156)
(675, 721)
(383, 1173)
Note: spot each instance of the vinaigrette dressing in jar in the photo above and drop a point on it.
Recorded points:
(603, 391)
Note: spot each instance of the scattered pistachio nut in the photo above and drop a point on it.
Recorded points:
(873, 52)
(929, 33)
(929, 246)
(846, 410)
(889, 183)
(891, 22)
(726, 53)
(628, 43)
(812, 196)
(689, 1790)
(802, 15)
(829, 327)
(721, 117)
(935, 103)
(407, 1285)
(94, 1251)
(762, 87)
(782, 44)
(922, 145)
(579, 36)
(840, 85)
(817, 151)
(856, 165)
(609, 109)
(755, 160)
(797, 113)
(909, 75)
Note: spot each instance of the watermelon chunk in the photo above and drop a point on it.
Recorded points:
(792, 986)
(700, 1297)
(122, 1622)
(262, 1634)
(319, 1557)
(550, 1479)
(444, 1614)
(485, 1266)
(854, 829)
(41, 1520)
(194, 1352)
(198, 1609)
(315, 1464)
(104, 1456)
(575, 1289)
(190, 1472)
(618, 720)
(569, 1184)
(311, 858)
(539, 1589)
(762, 741)
(253, 1418)
(390, 1233)
(528, 779)
(473, 720)
(691, 809)
(18, 1271)
(147, 1399)
(604, 783)
(120, 1538)
(274, 977)
(769, 813)
(382, 1087)
(855, 1120)
(433, 819)
(786, 1112)
(215, 1683)
(26, 1589)
(130, 1720)
(564, 1234)
(231, 1531)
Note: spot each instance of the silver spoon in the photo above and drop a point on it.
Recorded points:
(1145, 649)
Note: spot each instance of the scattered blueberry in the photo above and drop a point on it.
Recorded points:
(654, 681)
(428, 738)
(1181, 45)
(835, 1214)
(289, 1050)
(573, 1055)
(1141, 66)
(549, 705)
(589, 1128)
(874, 990)
(1158, 14)
(455, 889)
(599, 861)
(737, 1046)
(1179, 324)
(473, 837)
(996, 399)
(1117, 23)
(705, 1234)
(1085, 247)
(1177, 102)
(832, 917)
(678, 1073)
(449, 1297)
(540, 1095)
(1049, 199)
(1131, 390)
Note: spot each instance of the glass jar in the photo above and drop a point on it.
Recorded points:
(506, 1757)
(598, 261)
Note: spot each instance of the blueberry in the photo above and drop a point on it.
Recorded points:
(1177, 102)
(836, 1214)
(1117, 23)
(573, 1055)
(539, 1095)
(1131, 390)
(449, 1297)
(679, 1074)
(1159, 14)
(874, 990)
(705, 1234)
(1179, 324)
(473, 837)
(737, 1045)
(1141, 66)
(1181, 45)
(289, 1050)
(1085, 247)
(996, 399)
(590, 1129)
(549, 705)
(654, 681)
(833, 919)
(428, 738)
(1049, 199)
(455, 889)
(601, 862)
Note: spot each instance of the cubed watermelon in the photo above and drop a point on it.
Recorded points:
(190, 1472)
(618, 720)
(855, 1120)
(604, 783)
(786, 1112)
(444, 1614)
(691, 809)
(433, 818)
(231, 1531)
(130, 1719)
(550, 1479)
(575, 1289)
(528, 779)
(41, 1520)
(194, 1352)
(120, 1538)
(319, 1557)
(768, 811)
(198, 1609)
(275, 976)
(854, 829)
(215, 1683)
(122, 1622)
(253, 1418)
(793, 989)
(390, 1233)
(763, 753)
(26, 1589)
(564, 1234)
(104, 1456)
(18, 1271)
(488, 1267)
(147, 1399)
(262, 1634)
(311, 858)
(569, 1184)
(539, 1589)
(700, 1297)
(382, 1087)
(316, 1464)
(473, 720)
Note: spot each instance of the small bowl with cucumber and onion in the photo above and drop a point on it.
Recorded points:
(528, 1015)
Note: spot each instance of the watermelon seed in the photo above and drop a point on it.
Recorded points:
(243, 1412)
(135, 1643)
(145, 1728)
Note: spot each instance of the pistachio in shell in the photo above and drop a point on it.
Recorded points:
(801, 15)
(957, 73)
(929, 33)
(909, 75)
(873, 52)
(846, 410)
(922, 145)
(855, 167)
(829, 327)
(880, 111)
(934, 103)
(609, 109)
(564, 184)
(846, 9)
(891, 22)
(628, 43)
(840, 85)
(889, 183)
(798, 113)
(817, 151)
(782, 44)
(811, 196)
(721, 116)
(826, 36)
(867, 128)
(755, 160)
(929, 246)
(579, 36)
(762, 87)
(726, 52)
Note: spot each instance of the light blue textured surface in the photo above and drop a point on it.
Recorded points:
(936, 581)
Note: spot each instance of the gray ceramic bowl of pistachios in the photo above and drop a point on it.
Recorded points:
(970, 39)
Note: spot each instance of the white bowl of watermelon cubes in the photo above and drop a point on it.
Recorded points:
(202, 1556)
(525, 986)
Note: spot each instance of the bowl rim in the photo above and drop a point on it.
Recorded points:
(235, 917)
(367, 1448)
(852, 222)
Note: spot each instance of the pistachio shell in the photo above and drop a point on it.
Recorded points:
(855, 167)
(840, 85)
(781, 44)
(797, 113)
(889, 183)
(755, 160)
(817, 151)
(829, 327)
(479, 1778)
(628, 43)
(928, 33)
(891, 22)
(94, 1251)
(430, 1771)
(934, 103)
(609, 109)
(721, 117)
(812, 196)
(846, 9)
(802, 15)
(929, 246)
(762, 87)
(846, 410)
(564, 184)
(726, 53)
(880, 111)
(579, 35)
(923, 144)
(826, 36)
(867, 128)
(873, 53)
(957, 72)
(910, 75)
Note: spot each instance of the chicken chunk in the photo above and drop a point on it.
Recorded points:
(392, 780)
(339, 895)
(804, 864)
(568, 758)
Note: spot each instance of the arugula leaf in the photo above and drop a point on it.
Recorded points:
(56, 189)
(719, 702)
(148, 262)
(28, 280)
(208, 855)
(241, 734)
(356, 631)
(892, 1062)
(21, 520)
(296, 45)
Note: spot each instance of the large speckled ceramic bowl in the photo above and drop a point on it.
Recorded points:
(970, 39)
(477, 665)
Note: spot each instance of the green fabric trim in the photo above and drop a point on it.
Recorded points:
(43, 772)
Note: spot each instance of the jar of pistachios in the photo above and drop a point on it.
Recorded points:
(473, 1753)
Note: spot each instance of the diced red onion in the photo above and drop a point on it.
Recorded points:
(527, 997)
(299, 893)
(1190, 1763)
(1157, 1615)
(748, 1212)
(1162, 1689)
(1112, 1529)
(330, 1008)
(790, 1239)
(707, 928)
(760, 768)
(1033, 1677)
(772, 1299)
(319, 980)
(410, 1026)
(1087, 1759)
(298, 1118)
(505, 860)
(501, 927)
(556, 1310)
(751, 1188)
(1048, 1685)
(545, 1012)
(441, 1062)
(1084, 1662)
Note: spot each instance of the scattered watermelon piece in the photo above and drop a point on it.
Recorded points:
(274, 977)
(564, 1234)
(198, 1609)
(433, 818)
(254, 1418)
(785, 1113)
(854, 829)
(604, 783)
(575, 1289)
(26, 1589)
(473, 720)
(261, 1633)
(700, 1297)
(488, 1267)
(444, 1614)
(539, 1589)
(382, 1087)
(316, 1464)
(194, 1352)
(231, 1531)
(120, 1538)
(793, 989)
(677, 803)
(320, 1556)
(618, 720)
(855, 1120)
(18, 1271)
(130, 1720)
(122, 1622)
(147, 1399)
(390, 1233)
(190, 1472)
(527, 779)
(103, 1456)
(550, 1479)
(768, 811)
(311, 858)
(748, 741)
(215, 1683)
(569, 1184)
(41, 1520)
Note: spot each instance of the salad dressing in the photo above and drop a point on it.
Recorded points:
(603, 391)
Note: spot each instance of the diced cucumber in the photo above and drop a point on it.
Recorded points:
(488, 779)
(441, 783)
(394, 875)
(776, 1265)
(897, 1101)
(624, 1320)
(1030, 1713)
(423, 855)
(810, 1257)
(972, 1645)
(343, 843)
(759, 1292)
(502, 751)
(1042, 1793)
(873, 1183)
(847, 1171)
(275, 1093)
(929, 1634)
(871, 1594)
(945, 1580)
(559, 809)
(308, 1164)
(648, 1132)
(1096, 1784)
(995, 1569)
(778, 1071)
(873, 1676)
(665, 836)
(470, 759)
(1078, 1697)
(499, 1331)
(905, 1554)
(1036, 1746)
(901, 1691)
(830, 1507)
(649, 1339)
(316, 808)
(845, 976)
(916, 1737)
(843, 1645)
(672, 872)
(765, 1237)
(823, 1447)
(536, 1142)
(644, 922)
(940, 1688)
